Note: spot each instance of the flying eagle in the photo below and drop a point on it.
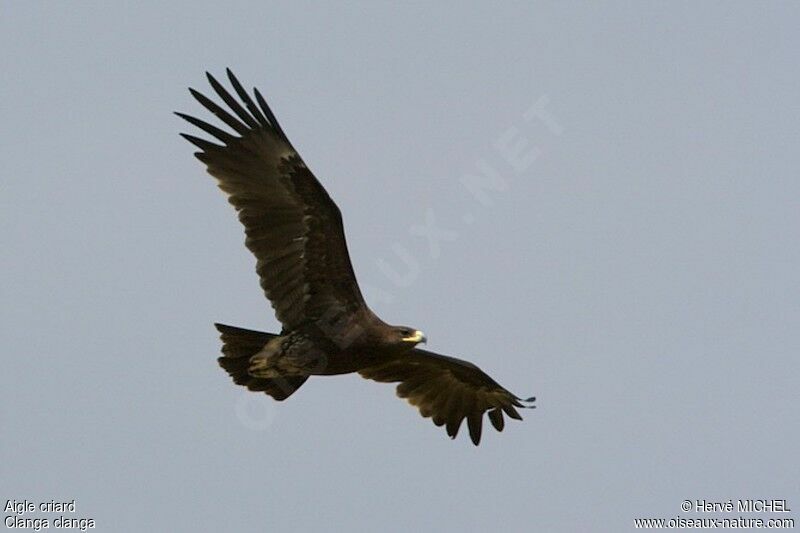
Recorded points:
(295, 231)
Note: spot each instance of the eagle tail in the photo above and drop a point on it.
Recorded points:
(238, 346)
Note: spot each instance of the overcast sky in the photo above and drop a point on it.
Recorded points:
(615, 196)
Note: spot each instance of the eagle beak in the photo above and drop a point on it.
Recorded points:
(416, 338)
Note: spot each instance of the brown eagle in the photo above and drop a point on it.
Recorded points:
(295, 231)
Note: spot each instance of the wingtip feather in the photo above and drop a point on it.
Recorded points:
(475, 423)
(496, 418)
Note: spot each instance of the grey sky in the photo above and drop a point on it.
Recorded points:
(640, 276)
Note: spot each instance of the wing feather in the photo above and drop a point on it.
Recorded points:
(448, 390)
(243, 115)
(496, 417)
(254, 110)
(291, 224)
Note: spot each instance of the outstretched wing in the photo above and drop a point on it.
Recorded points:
(449, 390)
(292, 225)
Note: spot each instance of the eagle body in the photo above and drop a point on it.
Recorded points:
(304, 352)
(295, 231)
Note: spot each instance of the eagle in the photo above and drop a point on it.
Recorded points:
(295, 231)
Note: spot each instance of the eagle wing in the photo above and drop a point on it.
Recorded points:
(291, 224)
(448, 390)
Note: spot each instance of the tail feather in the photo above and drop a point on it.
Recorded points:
(238, 346)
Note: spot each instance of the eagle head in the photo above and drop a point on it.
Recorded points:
(410, 336)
